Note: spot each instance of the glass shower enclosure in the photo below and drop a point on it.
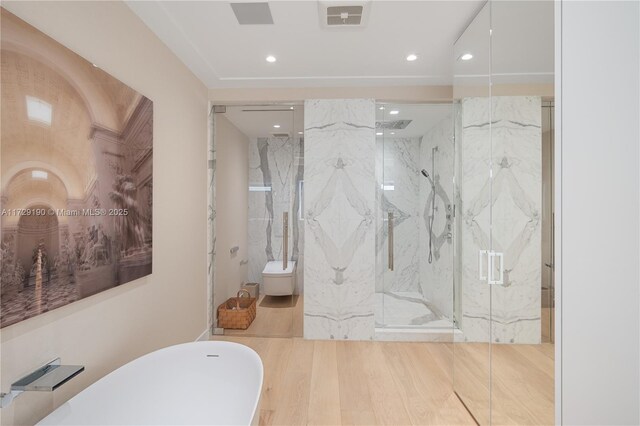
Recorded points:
(269, 140)
(414, 238)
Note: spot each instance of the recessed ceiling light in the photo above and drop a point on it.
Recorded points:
(277, 126)
(290, 107)
(393, 133)
(466, 56)
(271, 58)
(381, 108)
(299, 133)
(379, 134)
(411, 57)
(39, 174)
(394, 112)
(38, 110)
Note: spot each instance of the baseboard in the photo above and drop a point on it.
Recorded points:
(204, 336)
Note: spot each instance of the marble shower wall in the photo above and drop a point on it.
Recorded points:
(397, 191)
(436, 277)
(514, 146)
(276, 168)
(340, 207)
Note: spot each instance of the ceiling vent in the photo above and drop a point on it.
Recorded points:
(252, 13)
(395, 125)
(347, 14)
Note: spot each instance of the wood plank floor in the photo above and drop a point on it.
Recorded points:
(276, 316)
(522, 382)
(309, 382)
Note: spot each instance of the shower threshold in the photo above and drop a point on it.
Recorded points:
(391, 334)
(406, 316)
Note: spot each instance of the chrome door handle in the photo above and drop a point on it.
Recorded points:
(390, 238)
(491, 267)
(481, 275)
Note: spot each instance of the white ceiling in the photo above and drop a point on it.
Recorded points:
(206, 36)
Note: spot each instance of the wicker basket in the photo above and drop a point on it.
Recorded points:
(229, 316)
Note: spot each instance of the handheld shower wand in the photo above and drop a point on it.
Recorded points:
(433, 201)
(426, 174)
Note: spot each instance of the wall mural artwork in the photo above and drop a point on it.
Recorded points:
(76, 176)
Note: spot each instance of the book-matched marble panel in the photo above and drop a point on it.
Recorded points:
(339, 246)
(502, 212)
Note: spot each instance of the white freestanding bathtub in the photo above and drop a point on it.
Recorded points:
(213, 383)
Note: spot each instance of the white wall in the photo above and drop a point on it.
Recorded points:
(107, 330)
(232, 182)
(600, 212)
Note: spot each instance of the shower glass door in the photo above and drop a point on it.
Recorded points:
(503, 72)
(414, 175)
(473, 221)
(522, 77)
(396, 189)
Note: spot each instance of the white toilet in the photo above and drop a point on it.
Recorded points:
(277, 281)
